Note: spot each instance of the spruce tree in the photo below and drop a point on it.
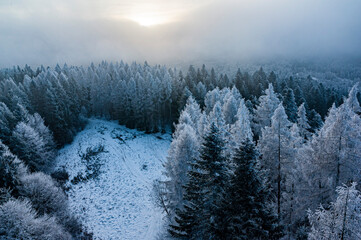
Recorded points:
(290, 105)
(11, 169)
(203, 215)
(249, 213)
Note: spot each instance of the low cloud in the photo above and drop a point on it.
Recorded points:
(49, 32)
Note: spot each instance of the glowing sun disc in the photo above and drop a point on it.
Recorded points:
(149, 19)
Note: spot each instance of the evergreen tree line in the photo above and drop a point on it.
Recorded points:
(238, 172)
(140, 96)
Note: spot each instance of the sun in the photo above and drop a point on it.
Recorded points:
(149, 13)
(149, 19)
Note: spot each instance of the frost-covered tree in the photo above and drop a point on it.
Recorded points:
(211, 98)
(184, 151)
(33, 142)
(203, 215)
(264, 111)
(48, 199)
(342, 220)
(241, 129)
(190, 115)
(216, 116)
(338, 146)
(11, 170)
(37, 123)
(19, 221)
(302, 122)
(315, 120)
(201, 92)
(230, 109)
(31, 148)
(7, 123)
(277, 148)
(290, 105)
(202, 125)
(332, 156)
(352, 100)
(44, 195)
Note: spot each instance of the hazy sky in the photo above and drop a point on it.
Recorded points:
(169, 31)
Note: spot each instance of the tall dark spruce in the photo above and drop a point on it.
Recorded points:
(249, 212)
(203, 216)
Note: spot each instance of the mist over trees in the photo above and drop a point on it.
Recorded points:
(254, 155)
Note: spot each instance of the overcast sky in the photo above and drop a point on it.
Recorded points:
(168, 31)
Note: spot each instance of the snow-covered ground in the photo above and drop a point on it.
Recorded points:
(117, 204)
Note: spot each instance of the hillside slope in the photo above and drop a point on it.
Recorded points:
(117, 202)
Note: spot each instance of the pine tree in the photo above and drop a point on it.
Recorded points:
(203, 216)
(250, 215)
(290, 105)
(315, 120)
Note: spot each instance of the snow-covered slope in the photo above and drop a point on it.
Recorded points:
(118, 203)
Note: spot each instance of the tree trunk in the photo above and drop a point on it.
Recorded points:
(338, 162)
(279, 173)
(344, 216)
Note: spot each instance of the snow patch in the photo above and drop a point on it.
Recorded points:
(118, 203)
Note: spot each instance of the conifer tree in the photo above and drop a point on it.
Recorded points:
(290, 105)
(7, 123)
(216, 116)
(315, 120)
(342, 220)
(11, 169)
(250, 215)
(203, 215)
(241, 129)
(230, 108)
(302, 122)
(332, 157)
(18, 220)
(34, 145)
(277, 149)
(183, 152)
(352, 100)
(264, 111)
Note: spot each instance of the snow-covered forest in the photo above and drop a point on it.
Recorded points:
(254, 155)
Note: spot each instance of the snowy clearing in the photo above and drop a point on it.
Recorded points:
(118, 203)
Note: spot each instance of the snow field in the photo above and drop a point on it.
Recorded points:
(118, 204)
